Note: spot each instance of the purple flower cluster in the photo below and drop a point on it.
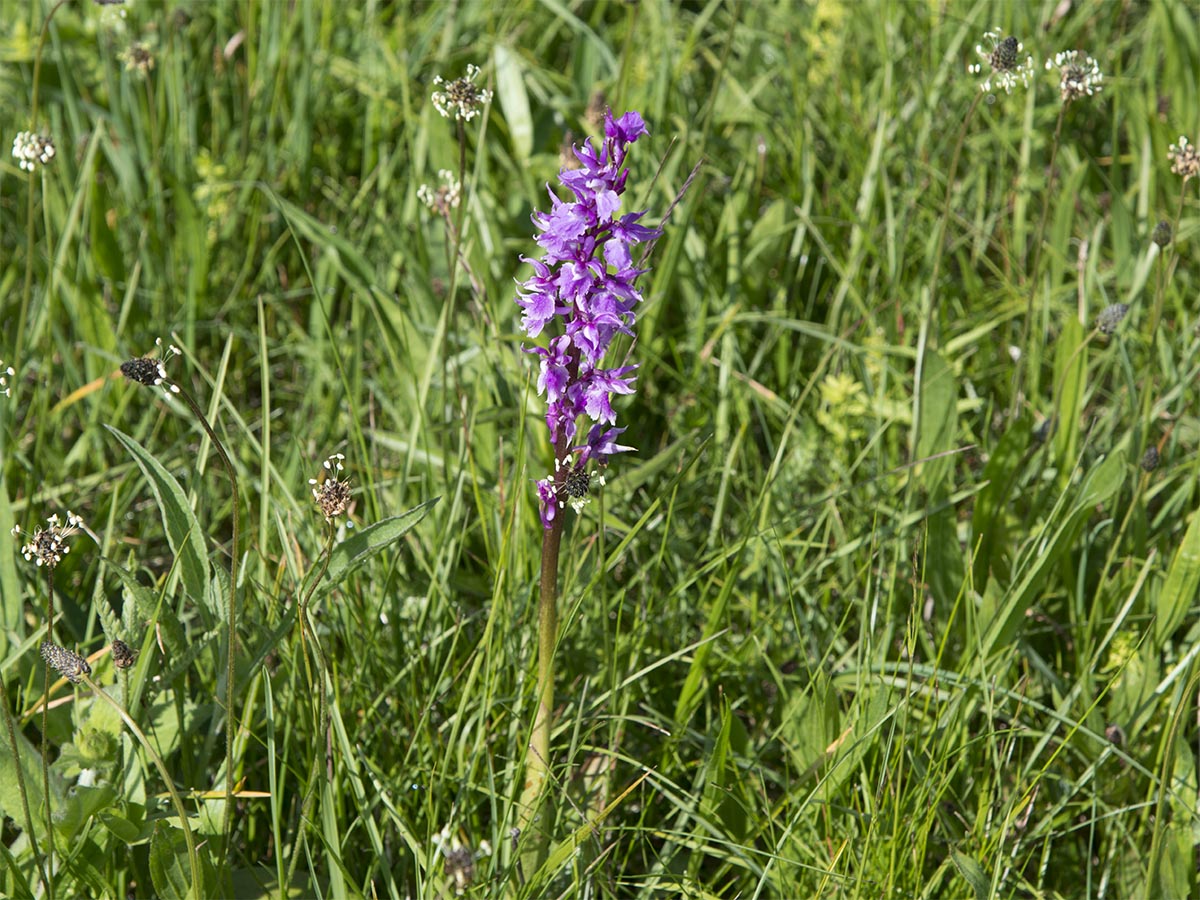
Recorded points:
(586, 281)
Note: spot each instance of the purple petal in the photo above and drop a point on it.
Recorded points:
(626, 129)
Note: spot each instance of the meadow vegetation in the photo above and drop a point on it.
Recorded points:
(896, 596)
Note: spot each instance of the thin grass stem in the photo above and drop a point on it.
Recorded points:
(1025, 351)
(231, 651)
(307, 633)
(45, 731)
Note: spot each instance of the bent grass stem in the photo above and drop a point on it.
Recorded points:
(176, 800)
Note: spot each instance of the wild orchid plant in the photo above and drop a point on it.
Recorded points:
(583, 293)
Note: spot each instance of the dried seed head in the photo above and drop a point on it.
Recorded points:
(29, 149)
(460, 858)
(1078, 77)
(47, 546)
(1003, 57)
(152, 372)
(460, 99)
(331, 492)
(67, 663)
(1185, 160)
(1111, 316)
(447, 195)
(1042, 432)
(144, 371)
(123, 656)
(138, 58)
(1162, 234)
(1150, 459)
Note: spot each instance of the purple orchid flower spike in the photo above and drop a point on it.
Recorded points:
(584, 292)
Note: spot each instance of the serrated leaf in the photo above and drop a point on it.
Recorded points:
(362, 545)
(184, 533)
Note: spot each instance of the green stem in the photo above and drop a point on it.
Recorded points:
(537, 756)
(16, 754)
(231, 651)
(45, 732)
(1018, 370)
(176, 800)
(27, 291)
(945, 219)
(929, 301)
(1164, 269)
(310, 792)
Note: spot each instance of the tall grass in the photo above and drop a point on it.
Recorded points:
(866, 614)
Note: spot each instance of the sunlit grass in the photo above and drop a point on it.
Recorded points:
(889, 600)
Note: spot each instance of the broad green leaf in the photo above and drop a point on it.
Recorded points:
(105, 250)
(262, 883)
(689, 694)
(514, 100)
(945, 567)
(869, 712)
(939, 420)
(169, 864)
(720, 791)
(1183, 580)
(362, 545)
(78, 805)
(124, 830)
(1056, 538)
(191, 242)
(1177, 865)
(810, 724)
(31, 770)
(989, 531)
(184, 533)
(972, 872)
(1070, 379)
(347, 259)
(20, 882)
(11, 601)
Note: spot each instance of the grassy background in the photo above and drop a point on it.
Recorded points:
(795, 659)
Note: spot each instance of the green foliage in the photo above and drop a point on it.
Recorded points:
(872, 611)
